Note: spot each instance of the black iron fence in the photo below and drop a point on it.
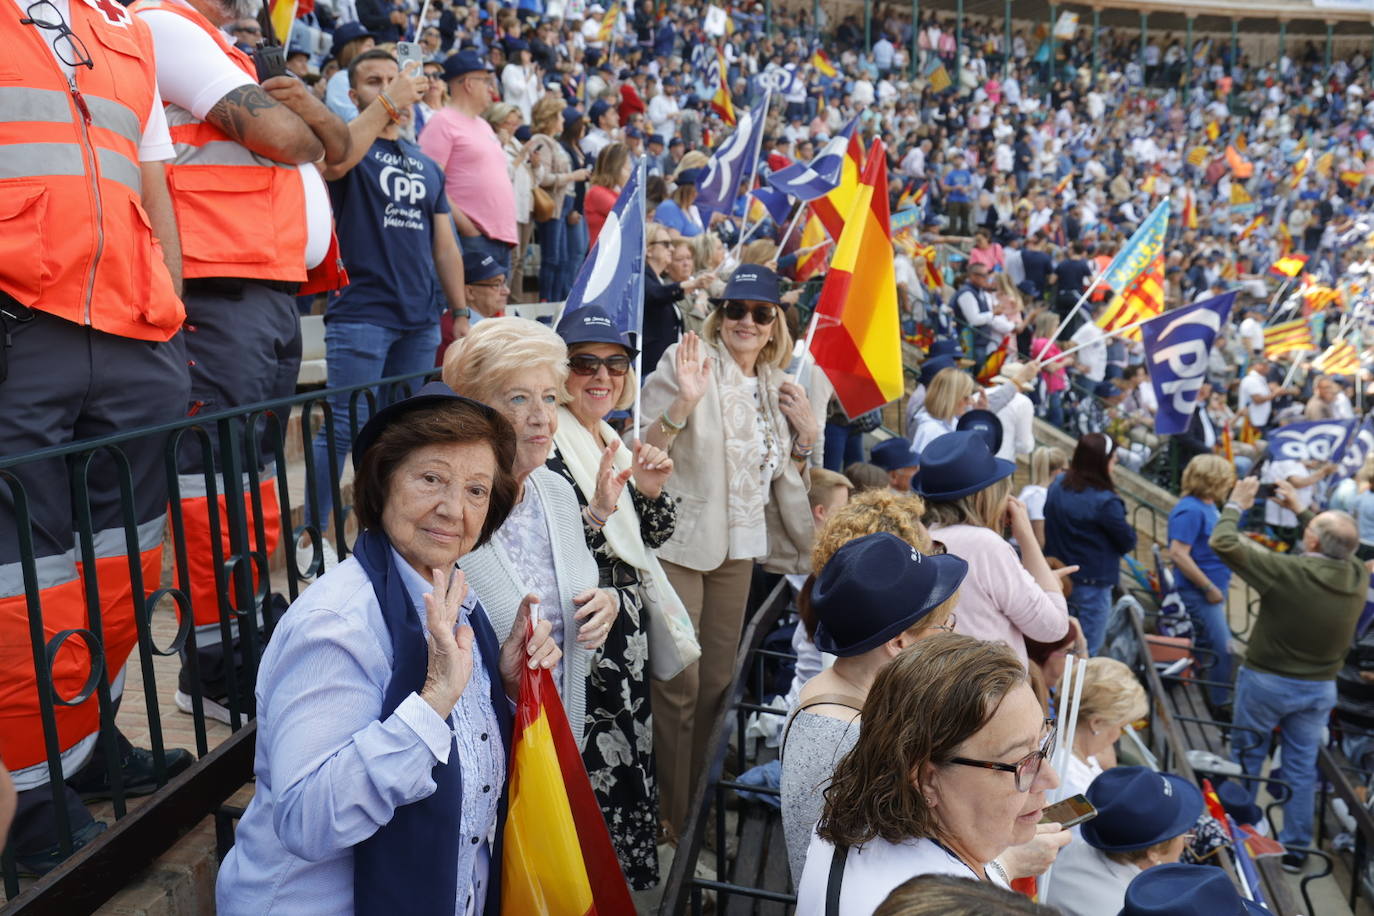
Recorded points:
(252, 465)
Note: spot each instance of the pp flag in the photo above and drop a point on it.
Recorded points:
(557, 857)
(612, 277)
(858, 337)
(1177, 344)
(820, 176)
(1315, 440)
(732, 163)
(1358, 449)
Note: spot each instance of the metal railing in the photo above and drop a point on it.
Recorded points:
(247, 448)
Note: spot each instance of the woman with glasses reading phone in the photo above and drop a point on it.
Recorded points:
(740, 433)
(622, 489)
(948, 773)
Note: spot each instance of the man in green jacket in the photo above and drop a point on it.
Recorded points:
(1310, 601)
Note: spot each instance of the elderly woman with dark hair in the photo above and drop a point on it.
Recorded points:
(519, 367)
(1086, 526)
(945, 790)
(383, 699)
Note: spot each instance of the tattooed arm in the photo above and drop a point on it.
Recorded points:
(253, 118)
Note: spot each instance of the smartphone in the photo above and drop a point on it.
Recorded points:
(1266, 491)
(1070, 812)
(407, 51)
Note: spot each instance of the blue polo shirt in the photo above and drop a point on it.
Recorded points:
(959, 181)
(1191, 522)
(385, 208)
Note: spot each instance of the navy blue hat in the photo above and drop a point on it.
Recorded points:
(656, 138)
(571, 115)
(957, 464)
(516, 44)
(1106, 389)
(523, 133)
(479, 266)
(932, 366)
(876, 587)
(591, 324)
(350, 31)
(1137, 807)
(689, 176)
(945, 346)
(1176, 889)
(677, 141)
(635, 132)
(625, 73)
(464, 62)
(429, 395)
(599, 108)
(1238, 803)
(754, 282)
(986, 424)
(894, 454)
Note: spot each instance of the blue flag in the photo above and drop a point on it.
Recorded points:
(1358, 449)
(612, 276)
(775, 202)
(732, 162)
(820, 176)
(1177, 344)
(1315, 440)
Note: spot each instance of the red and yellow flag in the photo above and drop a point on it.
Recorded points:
(1286, 337)
(1189, 210)
(821, 61)
(1339, 359)
(1251, 226)
(722, 102)
(812, 234)
(1142, 298)
(1289, 266)
(858, 339)
(283, 14)
(834, 207)
(607, 30)
(558, 859)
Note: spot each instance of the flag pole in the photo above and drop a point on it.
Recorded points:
(801, 208)
(806, 346)
(639, 334)
(1116, 333)
(1277, 296)
(1292, 370)
(1097, 281)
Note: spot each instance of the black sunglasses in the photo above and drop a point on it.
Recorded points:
(588, 364)
(1025, 769)
(763, 314)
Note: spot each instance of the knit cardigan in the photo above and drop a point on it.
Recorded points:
(500, 586)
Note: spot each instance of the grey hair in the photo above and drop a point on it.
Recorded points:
(1337, 534)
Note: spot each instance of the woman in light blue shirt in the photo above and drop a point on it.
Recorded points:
(383, 699)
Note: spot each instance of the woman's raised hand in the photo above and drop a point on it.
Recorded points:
(693, 371)
(652, 468)
(450, 646)
(537, 649)
(609, 483)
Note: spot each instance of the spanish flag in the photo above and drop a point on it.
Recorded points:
(558, 859)
(1287, 337)
(858, 340)
(1339, 359)
(821, 61)
(834, 207)
(721, 102)
(1189, 210)
(1250, 227)
(1289, 266)
(812, 234)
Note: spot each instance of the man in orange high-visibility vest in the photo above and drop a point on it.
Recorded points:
(256, 231)
(90, 318)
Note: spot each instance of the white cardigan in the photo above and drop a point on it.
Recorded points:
(500, 587)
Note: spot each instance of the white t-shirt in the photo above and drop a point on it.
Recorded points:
(1283, 469)
(873, 870)
(1034, 496)
(194, 73)
(1018, 427)
(1093, 356)
(155, 144)
(1255, 384)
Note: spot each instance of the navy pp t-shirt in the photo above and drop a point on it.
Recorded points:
(385, 209)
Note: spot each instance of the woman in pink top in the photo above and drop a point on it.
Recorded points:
(986, 252)
(1055, 376)
(968, 501)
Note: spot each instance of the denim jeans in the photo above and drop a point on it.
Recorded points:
(1300, 709)
(358, 353)
(1213, 634)
(575, 249)
(843, 446)
(1092, 604)
(552, 236)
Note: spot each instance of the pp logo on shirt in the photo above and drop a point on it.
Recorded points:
(402, 186)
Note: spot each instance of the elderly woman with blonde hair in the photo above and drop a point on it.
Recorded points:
(740, 434)
(1112, 699)
(952, 392)
(519, 367)
(1202, 578)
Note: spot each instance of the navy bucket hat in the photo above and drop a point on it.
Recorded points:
(1137, 808)
(957, 464)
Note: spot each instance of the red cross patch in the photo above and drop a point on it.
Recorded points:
(112, 12)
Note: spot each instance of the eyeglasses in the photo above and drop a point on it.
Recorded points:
(661, 242)
(588, 364)
(490, 284)
(948, 625)
(763, 314)
(1025, 769)
(69, 48)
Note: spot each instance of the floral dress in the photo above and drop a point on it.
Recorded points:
(619, 736)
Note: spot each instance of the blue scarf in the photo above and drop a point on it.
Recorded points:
(410, 864)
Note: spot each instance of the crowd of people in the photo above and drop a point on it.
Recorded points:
(514, 514)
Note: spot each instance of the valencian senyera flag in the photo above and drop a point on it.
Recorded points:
(1177, 344)
(1136, 275)
(1339, 359)
(1288, 337)
(557, 858)
(1316, 440)
(858, 341)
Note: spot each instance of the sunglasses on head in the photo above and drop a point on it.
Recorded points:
(588, 364)
(735, 311)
